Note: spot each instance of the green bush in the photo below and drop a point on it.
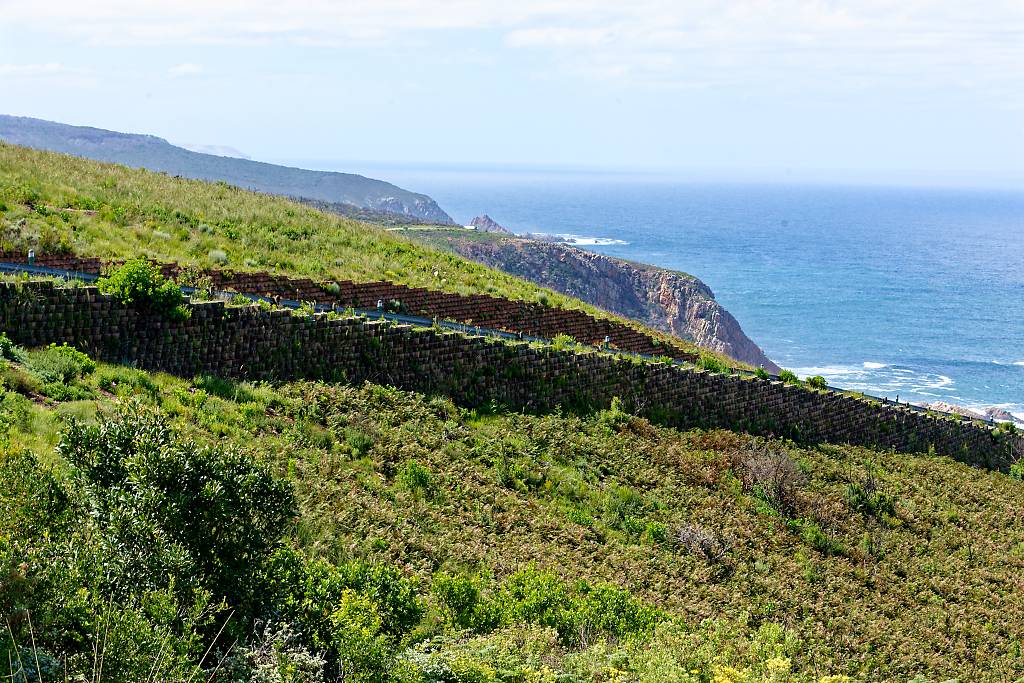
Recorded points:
(415, 477)
(789, 377)
(578, 613)
(62, 364)
(1017, 470)
(868, 497)
(460, 603)
(817, 382)
(563, 341)
(711, 364)
(761, 373)
(173, 505)
(140, 283)
(355, 614)
(9, 350)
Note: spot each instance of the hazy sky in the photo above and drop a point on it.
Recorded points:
(872, 85)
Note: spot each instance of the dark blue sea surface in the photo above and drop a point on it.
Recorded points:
(909, 292)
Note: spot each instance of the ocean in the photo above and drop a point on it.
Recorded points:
(899, 292)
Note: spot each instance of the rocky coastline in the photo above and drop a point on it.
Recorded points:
(666, 300)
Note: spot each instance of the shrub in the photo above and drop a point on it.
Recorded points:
(712, 364)
(761, 373)
(1017, 470)
(140, 283)
(275, 655)
(563, 341)
(789, 377)
(867, 496)
(579, 614)
(217, 256)
(62, 364)
(817, 382)
(172, 504)
(769, 474)
(415, 477)
(813, 535)
(9, 350)
(355, 614)
(703, 542)
(191, 276)
(461, 604)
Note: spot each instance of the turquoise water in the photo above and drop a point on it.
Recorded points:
(916, 293)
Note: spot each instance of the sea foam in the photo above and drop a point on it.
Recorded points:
(870, 365)
(579, 240)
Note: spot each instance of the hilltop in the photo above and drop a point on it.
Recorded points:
(156, 154)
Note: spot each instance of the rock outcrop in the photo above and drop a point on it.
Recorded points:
(989, 413)
(662, 299)
(487, 224)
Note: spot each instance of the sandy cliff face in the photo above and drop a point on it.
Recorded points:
(662, 299)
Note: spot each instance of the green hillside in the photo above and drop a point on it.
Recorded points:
(155, 528)
(393, 536)
(156, 154)
(54, 202)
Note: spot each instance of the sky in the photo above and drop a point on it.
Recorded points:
(872, 87)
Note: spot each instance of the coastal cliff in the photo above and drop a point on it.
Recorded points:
(662, 299)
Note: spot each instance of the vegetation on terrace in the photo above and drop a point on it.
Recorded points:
(53, 202)
(363, 533)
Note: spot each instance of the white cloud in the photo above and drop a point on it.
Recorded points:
(186, 69)
(53, 73)
(31, 70)
(684, 42)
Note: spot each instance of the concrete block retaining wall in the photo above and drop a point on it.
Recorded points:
(532, 319)
(255, 344)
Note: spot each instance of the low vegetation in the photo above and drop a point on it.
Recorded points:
(139, 283)
(155, 528)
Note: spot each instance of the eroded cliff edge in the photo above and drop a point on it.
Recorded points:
(662, 299)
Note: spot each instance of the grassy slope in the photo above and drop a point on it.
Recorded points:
(51, 201)
(933, 588)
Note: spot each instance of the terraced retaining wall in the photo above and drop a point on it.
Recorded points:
(532, 319)
(252, 343)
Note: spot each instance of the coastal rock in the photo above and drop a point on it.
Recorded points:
(952, 408)
(662, 299)
(989, 413)
(487, 224)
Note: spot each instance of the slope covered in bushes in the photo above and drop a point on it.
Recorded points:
(309, 532)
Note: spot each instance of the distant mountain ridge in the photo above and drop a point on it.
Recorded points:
(156, 154)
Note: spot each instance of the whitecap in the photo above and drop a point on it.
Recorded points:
(939, 383)
(825, 371)
(870, 365)
(592, 241)
(581, 240)
(1019, 362)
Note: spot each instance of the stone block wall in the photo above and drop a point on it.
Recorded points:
(532, 319)
(255, 344)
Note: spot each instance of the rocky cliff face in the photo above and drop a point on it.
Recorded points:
(661, 299)
(487, 224)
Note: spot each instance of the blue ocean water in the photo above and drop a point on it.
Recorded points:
(908, 292)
